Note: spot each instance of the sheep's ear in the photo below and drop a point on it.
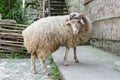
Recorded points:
(81, 20)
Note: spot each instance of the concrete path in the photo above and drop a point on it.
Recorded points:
(95, 64)
(19, 69)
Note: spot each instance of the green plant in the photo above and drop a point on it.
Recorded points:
(23, 49)
(16, 12)
(6, 6)
(17, 55)
(54, 72)
(12, 9)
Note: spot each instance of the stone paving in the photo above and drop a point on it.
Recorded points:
(19, 69)
(95, 64)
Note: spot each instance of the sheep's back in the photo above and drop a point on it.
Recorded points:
(48, 33)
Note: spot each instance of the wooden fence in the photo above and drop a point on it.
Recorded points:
(11, 39)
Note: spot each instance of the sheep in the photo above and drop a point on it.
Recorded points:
(83, 34)
(45, 36)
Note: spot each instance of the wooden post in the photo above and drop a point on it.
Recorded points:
(49, 8)
(23, 7)
(0, 25)
(43, 8)
(0, 16)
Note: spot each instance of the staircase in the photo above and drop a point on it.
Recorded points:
(57, 7)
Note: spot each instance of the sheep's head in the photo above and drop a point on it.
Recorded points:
(75, 21)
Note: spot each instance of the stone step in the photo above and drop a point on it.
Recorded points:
(52, 14)
(58, 0)
(54, 2)
(58, 10)
(59, 5)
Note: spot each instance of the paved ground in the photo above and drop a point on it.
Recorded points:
(95, 64)
(19, 69)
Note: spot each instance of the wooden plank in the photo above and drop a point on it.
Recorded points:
(1, 23)
(11, 38)
(10, 42)
(10, 51)
(10, 48)
(8, 21)
(10, 34)
(15, 38)
(7, 30)
(19, 28)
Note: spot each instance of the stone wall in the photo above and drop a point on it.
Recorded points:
(105, 16)
(33, 10)
(75, 5)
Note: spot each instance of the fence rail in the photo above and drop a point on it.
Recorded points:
(11, 39)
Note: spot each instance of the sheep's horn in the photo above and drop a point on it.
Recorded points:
(81, 14)
(77, 17)
(72, 16)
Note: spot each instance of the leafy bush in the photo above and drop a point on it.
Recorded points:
(11, 9)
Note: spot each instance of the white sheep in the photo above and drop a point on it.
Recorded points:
(83, 33)
(46, 35)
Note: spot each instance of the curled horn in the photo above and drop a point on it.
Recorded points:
(72, 16)
(81, 14)
(82, 18)
(76, 16)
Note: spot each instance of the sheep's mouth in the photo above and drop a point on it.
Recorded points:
(75, 31)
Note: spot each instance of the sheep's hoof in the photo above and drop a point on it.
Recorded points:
(77, 61)
(48, 74)
(65, 64)
(34, 72)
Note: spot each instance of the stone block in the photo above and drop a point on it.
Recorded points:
(103, 9)
(107, 29)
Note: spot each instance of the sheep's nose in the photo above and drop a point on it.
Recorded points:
(75, 32)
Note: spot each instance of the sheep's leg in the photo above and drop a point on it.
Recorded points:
(33, 58)
(75, 55)
(66, 57)
(44, 67)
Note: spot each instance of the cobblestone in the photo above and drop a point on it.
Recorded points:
(19, 69)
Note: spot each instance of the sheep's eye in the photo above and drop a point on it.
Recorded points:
(78, 22)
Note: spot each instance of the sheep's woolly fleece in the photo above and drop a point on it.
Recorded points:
(47, 34)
